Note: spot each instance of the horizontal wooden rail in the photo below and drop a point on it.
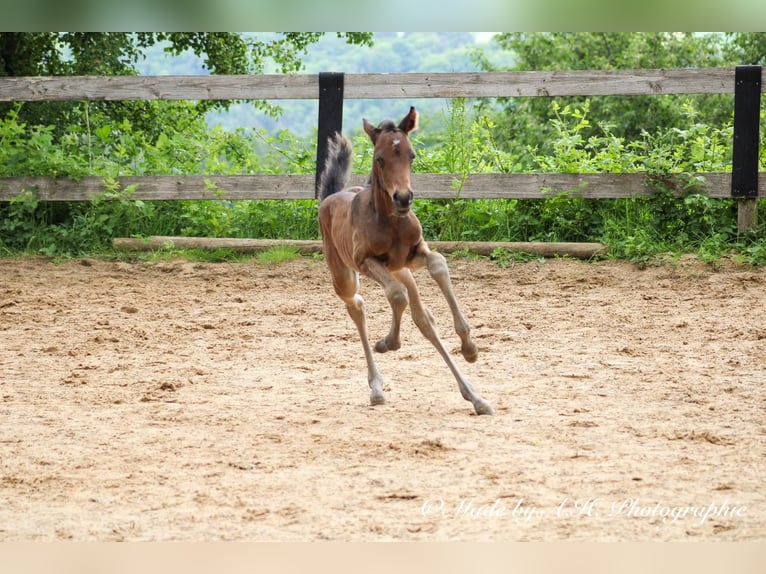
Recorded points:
(546, 249)
(365, 86)
(426, 186)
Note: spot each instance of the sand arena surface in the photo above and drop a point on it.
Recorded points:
(190, 401)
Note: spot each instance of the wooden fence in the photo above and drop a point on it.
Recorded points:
(744, 82)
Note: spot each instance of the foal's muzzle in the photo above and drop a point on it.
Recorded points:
(403, 201)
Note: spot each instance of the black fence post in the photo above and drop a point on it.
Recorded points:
(330, 117)
(744, 169)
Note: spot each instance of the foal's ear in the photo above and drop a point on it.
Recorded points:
(409, 122)
(371, 130)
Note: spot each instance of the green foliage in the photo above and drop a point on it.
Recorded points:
(466, 146)
(276, 255)
(527, 121)
(746, 48)
(640, 228)
(676, 218)
(98, 147)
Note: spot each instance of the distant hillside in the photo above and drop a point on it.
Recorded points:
(392, 53)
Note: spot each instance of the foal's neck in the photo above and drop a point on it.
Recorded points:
(381, 200)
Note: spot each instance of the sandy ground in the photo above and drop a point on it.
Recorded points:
(188, 401)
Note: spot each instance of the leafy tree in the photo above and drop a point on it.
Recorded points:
(611, 50)
(746, 47)
(116, 53)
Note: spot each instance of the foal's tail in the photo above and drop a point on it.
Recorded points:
(337, 168)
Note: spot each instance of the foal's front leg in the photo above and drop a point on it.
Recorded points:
(355, 307)
(397, 297)
(346, 284)
(437, 268)
(425, 322)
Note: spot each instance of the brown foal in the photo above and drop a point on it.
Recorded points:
(372, 230)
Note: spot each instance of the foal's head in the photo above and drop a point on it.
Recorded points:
(392, 159)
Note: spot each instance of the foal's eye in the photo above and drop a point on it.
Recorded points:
(379, 160)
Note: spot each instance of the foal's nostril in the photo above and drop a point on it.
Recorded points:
(403, 200)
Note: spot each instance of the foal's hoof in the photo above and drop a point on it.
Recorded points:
(377, 398)
(482, 407)
(470, 351)
(383, 346)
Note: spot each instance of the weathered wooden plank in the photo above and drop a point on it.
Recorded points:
(543, 249)
(560, 83)
(579, 250)
(747, 214)
(426, 186)
(229, 87)
(361, 86)
(158, 242)
(166, 187)
(546, 185)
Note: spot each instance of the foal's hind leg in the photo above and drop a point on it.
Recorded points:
(427, 326)
(397, 298)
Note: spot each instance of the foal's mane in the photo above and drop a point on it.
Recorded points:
(388, 126)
